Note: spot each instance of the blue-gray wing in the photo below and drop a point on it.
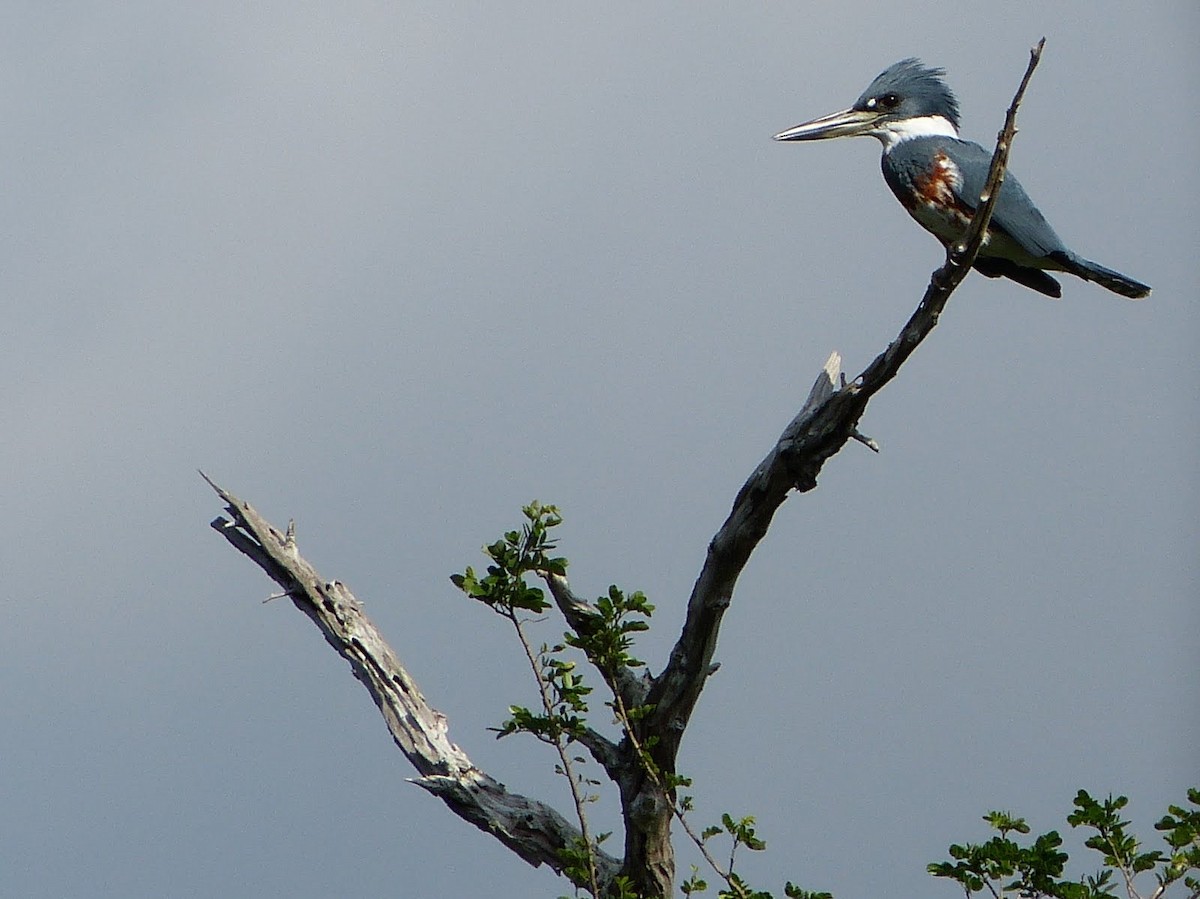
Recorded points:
(1015, 213)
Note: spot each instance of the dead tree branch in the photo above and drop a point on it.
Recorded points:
(536, 832)
(531, 829)
(828, 420)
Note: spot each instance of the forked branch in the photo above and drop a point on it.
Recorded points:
(533, 830)
(828, 420)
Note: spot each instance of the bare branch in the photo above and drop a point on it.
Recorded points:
(580, 613)
(604, 751)
(583, 618)
(531, 829)
(828, 420)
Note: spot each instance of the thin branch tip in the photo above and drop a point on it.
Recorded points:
(866, 441)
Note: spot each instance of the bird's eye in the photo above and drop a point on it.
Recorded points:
(889, 101)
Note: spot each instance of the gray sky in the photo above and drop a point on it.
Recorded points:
(394, 270)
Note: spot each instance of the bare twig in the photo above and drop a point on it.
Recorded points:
(559, 741)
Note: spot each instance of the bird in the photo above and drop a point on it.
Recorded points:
(938, 177)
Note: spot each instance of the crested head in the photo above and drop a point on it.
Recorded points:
(907, 100)
(910, 90)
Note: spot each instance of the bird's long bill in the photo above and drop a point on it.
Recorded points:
(847, 123)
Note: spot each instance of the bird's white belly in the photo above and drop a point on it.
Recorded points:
(949, 225)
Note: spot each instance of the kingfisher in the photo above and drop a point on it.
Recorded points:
(938, 177)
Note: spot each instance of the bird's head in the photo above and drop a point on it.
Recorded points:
(907, 99)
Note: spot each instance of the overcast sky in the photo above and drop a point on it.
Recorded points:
(393, 270)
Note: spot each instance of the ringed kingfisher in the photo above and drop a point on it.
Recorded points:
(938, 178)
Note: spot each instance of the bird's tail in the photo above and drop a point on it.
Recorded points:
(1105, 277)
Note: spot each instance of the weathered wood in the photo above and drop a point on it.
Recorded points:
(531, 829)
